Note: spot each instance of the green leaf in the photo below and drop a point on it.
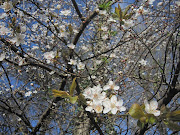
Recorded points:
(140, 124)
(172, 125)
(144, 119)
(120, 12)
(152, 120)
(127, 9)
(174, 116)
(105, 5)
(59, 93)
(128, 16)
(101, 6)
(108, 4)
(73, 99)
(73, 86)
(115, 16)
(117, 11)
(136, 111)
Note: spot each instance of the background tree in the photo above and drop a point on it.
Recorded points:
(89, 67)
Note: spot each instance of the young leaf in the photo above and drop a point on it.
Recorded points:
(128, 16)
(73, 99)
(117, 11)
(136, 111)
(59, 93)
(127, 9)
(120, 12)
(104, 6)
(73, 86)
(152, 120)
(172, 125)
(174, 116)
(144, 119)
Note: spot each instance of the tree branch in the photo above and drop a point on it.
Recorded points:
(77, 10)
(83, 26)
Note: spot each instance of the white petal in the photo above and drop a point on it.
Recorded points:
(106, 110)
(88, 108)
(116, 87)
(153, 105)
(122, 108)
(106, 87)
(113, 99)
(114, 110)
(111, 83)
(98, 108)
(103, 95)
(107, 103)
(147, 107)
(156, 113)
(119, 103)
(146, 102)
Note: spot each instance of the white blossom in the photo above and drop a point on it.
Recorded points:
(104, 28)
(64, 34)
(2, 56)
(113, 105)
(49, 56)
(27, 94)
(35, 47)
(58, 6)
(72, 62)
(112, 55)
(151, 1)
(87, 92)
(110, 85)
(127, 24)
(72, 46)
(102, 12)
(95, 93)
(19, 39)
(141, 11)
(80, 65)
(105, 37)
(160, 4)
(22, 61)
(34, 92)
(4, 31)
(65, 12)
(151, 108)
(111, 20)
(7, 6)
(3, 15)
(94, 107)
(177, 3)
(143, 62)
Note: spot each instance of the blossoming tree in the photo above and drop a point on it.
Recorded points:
(89, 67)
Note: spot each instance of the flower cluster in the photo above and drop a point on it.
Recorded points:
(99, 102)
(49, 56)
(80, 65)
